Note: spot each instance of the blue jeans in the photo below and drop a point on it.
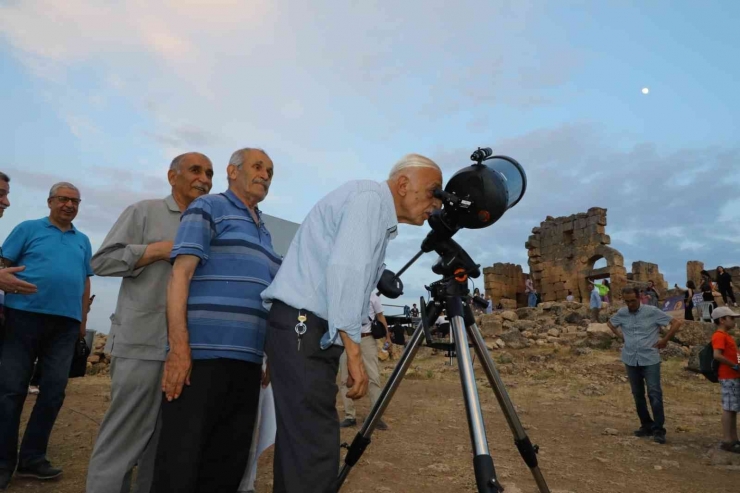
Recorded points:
(28, 336)
(532, 300)
(638, 376)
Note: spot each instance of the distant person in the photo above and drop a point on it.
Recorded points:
(137, 249)
(369, 351)
(570, 296)
(707, 291)
(414, 311)
(531, 292)
(406, 311)
(652, 293)
(9, 283)
(44, 325)
(489, 306)
(725, 353)
(724, 285)
(688, 300)
(639, 327)
(595, 302)
(607, 289)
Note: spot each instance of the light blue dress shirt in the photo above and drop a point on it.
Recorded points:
(595, 299)
(641, 331)
(336, 257)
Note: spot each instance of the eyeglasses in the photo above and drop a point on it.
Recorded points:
(64, 200)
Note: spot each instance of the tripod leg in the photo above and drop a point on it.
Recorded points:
(522, 441)
(485, 473)
(362, 439)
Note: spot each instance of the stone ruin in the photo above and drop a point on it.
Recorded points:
(562, 253)
(694, 268)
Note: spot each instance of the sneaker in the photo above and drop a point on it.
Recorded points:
(381, 426)
(659, 437)
(642, 433)
(5, 479)
(42, 470)
(348, 422)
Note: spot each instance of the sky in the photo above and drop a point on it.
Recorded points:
(105, 94)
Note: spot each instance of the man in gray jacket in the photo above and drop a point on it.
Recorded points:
(137, 249)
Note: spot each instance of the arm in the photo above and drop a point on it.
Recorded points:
(178, 364)
(674, 325)
(616, 330)
(383, 321)
(12, 252)
(11, 284)
(718, 356)
(123, 252)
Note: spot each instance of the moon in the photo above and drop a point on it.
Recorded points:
(645, 90)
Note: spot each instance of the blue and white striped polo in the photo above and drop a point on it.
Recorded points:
(226, 318)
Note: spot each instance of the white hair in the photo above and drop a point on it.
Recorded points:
(412, 161)
(175, 164)
(237, 158)
(62, 184)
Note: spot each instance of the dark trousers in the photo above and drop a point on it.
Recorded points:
(28, 336)
(688, 311)
(650, 375)
(727, 293)
(305, 391)
(207, 432)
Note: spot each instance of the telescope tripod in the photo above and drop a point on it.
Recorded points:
(451, 293)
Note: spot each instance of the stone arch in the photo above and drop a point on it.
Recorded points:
(614, 270)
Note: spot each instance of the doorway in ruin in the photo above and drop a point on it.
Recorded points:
(599, 273)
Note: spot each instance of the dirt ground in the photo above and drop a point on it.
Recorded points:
(566, 403)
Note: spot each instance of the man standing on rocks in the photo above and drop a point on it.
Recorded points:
(137, 249)
(595, 302)
(639, 327)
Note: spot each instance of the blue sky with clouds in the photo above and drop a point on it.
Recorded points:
(105, 94)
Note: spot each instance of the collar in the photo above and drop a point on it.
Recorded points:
(389, 210)
(48, 224)
(171, 203)
(231, 196)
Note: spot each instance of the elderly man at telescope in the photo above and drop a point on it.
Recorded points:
(318, 302)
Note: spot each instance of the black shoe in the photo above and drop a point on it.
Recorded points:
(642, 433)
(348, 422)
(5, 479)
(659, 437)
(381, 425)
(42, 470)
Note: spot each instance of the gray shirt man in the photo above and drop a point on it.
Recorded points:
(641, 330)
(139, 325)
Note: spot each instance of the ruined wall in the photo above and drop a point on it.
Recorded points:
(505, 281)
(694, 268)
(643, 272)
(562, 252)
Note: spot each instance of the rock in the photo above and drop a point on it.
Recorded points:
(523, 325)
(552, 339)
(553, 333)
(610, 432)
(547, 305)
(499, 343)
(490, 326)
(581, 351)
(574, 318)
(658, 468)
(93, 358)
(672, 350)
(510, 316)
(383, 355)
(593, 389)
(541, 342)
(527, 313)
(695, 333)
(670, 463)
(514, 339)
(599, 329)
(693, 364)
(528, 334)
(505, 358)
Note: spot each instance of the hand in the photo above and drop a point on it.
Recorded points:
(661, 344)
(177, 368)
(357, 379)
(12, 285)
(266, 376)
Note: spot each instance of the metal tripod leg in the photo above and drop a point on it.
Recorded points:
(362, 439)
(485, 474)
(522, 441)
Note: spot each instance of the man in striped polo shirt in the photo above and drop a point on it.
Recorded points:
(223, 260)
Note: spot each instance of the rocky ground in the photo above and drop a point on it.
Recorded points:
(571, 394)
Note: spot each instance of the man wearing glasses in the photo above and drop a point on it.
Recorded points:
(43, 325)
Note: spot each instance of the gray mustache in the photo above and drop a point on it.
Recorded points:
(262, 182)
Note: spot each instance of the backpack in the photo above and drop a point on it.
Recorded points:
(708, 366)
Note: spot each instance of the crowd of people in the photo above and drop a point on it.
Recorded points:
(208, 314)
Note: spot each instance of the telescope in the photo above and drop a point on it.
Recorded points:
(475, 197)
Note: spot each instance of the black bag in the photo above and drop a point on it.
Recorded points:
(397, 335)
(377, 329)
(79, 360)
(708, 366)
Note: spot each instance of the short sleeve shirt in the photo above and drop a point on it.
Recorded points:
(56, 261)
(641, 331)
(375, 307)
(724, 342)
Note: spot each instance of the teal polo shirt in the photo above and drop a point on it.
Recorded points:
(57, 262)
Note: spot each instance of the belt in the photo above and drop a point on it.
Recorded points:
(366, 334)
(283, 316)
